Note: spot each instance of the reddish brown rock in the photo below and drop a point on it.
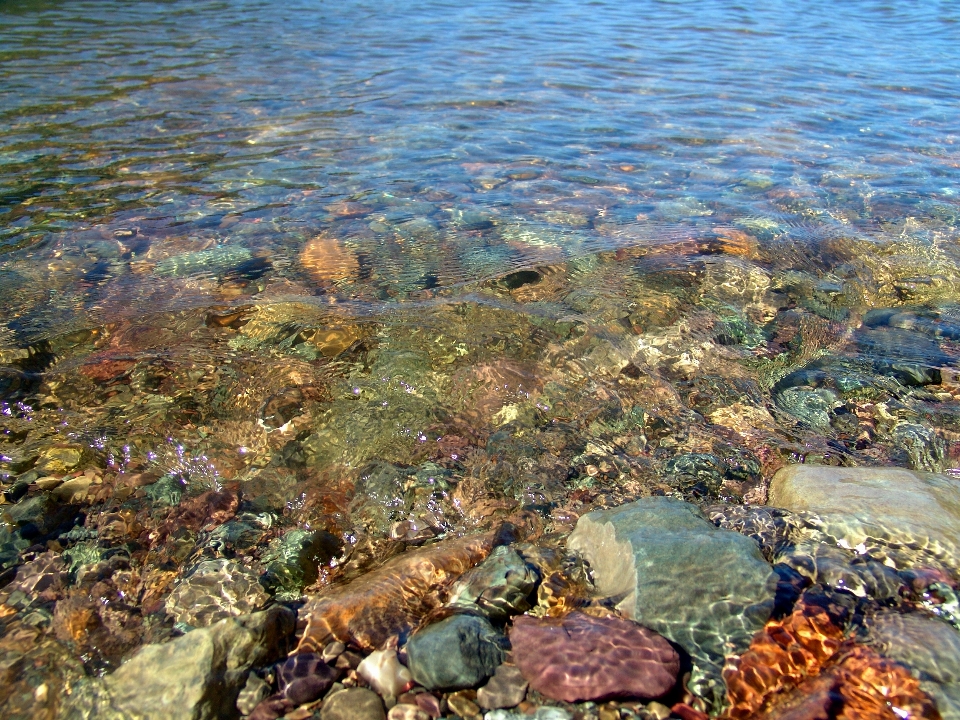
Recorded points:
(579, 657)
(390, 601)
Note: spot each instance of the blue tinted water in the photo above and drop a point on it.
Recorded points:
(167, 117)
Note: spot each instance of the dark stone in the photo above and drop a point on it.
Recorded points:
(459, 652)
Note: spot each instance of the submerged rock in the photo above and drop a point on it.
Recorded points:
(705, 588)
(294, 560)
(506, 689)
(579, 657)
(305, 677)
(867, 506)
(195, 677)
(930, 648)
(353, 704)
(382, 669)
(800, 667)
(459, 652)
(389, 602)
(499, 587)
(213, 590)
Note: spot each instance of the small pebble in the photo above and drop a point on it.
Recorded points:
(333, 650)
(462, 705)
(429, 704)
(403, 711)
(353, 704)
(385, 673)
(658, 710)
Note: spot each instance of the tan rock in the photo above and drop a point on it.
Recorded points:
(886, 504)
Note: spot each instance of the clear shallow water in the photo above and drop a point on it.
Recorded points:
(400, 270)
(237, 126)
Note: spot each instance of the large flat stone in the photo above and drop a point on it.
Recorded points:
(706, 589)
(890, 505)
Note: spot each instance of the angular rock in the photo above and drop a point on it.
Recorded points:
(499, 587)
(579, 657)
(506, 689)
(860, 506)
(197, 676)
(382, 669)
(705, 588)
(213, 590)
(353, 704)
(461, 651)
(389, 601)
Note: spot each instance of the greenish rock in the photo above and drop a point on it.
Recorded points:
(197, 676)
(669, 569)
(353, 704)
(498, 587)
(930, 648)
(167, 491)
(810, 406)
(925, 449)
(293, 560)
(876, 506)
(11, 545)
(692, 469)
(461, 651)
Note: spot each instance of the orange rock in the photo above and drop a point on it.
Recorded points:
(327, 260)
(780, 656)
(800, 668)
(391, 600)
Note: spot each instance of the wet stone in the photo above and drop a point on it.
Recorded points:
(293, 560)
(499, 587)
(305, 677)
(391, 600)
(382, 669)
(930, 648)
(506, 689)
(579, 657)
(353, 704)
(213, 590)
(255, 690)
(875, 506)
(705, 588)
(459, 652)
(193, 677)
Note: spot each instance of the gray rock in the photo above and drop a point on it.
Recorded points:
(353, 704)
(498, 587)
(867, 506)
(930, 648)
(459, 652)
(703, 587)
(506, 689)
(195, 677)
